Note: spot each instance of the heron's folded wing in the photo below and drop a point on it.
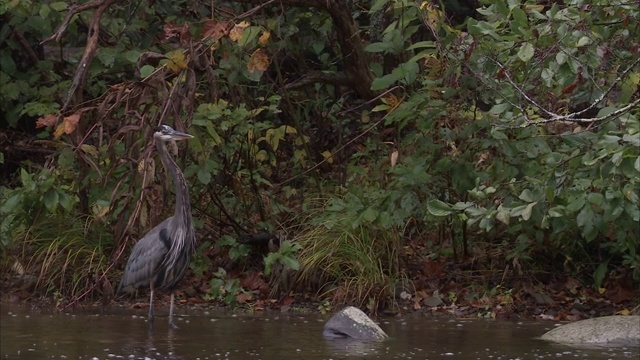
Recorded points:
(143, 262)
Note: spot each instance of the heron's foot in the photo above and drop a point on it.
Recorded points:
(173, 325)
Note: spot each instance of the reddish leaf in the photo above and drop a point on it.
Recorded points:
(287, 301)
(46, 121)
(432, 269)
(244, 297)
(619, 294)
(214, 29)
(569, 89)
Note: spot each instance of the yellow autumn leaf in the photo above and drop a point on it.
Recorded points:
(433, 65)
(327, 155)
(70, 123)
(264, 38)
(391, 100)
(259, 61)
(236, 33)
(623, 312)
(177, 61)
(59, 131)
(89, 149)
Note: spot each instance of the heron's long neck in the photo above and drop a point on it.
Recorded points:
(183, 205)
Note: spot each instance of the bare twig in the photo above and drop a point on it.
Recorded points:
(522, 93)
(72, 10)
(604, 94)
(572, 117)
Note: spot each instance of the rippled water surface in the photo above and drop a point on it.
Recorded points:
(116, 334)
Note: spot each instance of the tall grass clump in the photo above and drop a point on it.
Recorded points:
(63, 258)
(348, 262)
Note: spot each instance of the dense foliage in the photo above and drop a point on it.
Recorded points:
(375, 136)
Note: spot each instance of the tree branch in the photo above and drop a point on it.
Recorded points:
(90, 49)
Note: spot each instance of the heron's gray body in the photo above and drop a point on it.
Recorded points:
(161, 258)
(145, 266)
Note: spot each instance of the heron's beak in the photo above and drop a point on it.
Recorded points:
(178, 135)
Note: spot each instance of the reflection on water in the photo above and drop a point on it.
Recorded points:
(25, 334)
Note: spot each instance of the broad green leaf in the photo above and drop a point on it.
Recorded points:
(377, 47)
(519, 17)
(132, 56)
(526, 195)
(11, 203)
(595, 198)
(146, 70)
(526, 52)
(44, 11)
(498, 134)
(462, 205)
(381, 107)
(422, 44)
(383, 82)
(633, 211)
(499, 108)
(370, 214)
(576, 204)
(249, 34)
(556, 211)
(600, 274)
(501, 8)
(526, 214)
(409, 201)
(25, 177)
(547, 75)
(583, 41)
(439, 208)
(378, 5)
(204, 176)
(59, 5)
(486, 11)
(407, 72)
(632, 139)
(50, 199)
(65, 200)
(290, 262)
(561, 57)
(503, 215)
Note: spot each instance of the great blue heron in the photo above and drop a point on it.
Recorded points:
(160, 259)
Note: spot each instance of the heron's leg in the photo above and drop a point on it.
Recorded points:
(171, 323)
(150, 317)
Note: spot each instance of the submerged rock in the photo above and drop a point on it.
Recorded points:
(352, 323)
(611, 330)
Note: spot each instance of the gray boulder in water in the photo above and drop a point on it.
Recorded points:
(606, 330)
(352, 323)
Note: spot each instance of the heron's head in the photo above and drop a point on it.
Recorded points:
(166, 133)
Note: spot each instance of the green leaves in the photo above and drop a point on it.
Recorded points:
(439, 208)
(406, 74)
(526, 52)
(286, 255)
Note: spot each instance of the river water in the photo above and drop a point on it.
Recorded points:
(123, 334)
